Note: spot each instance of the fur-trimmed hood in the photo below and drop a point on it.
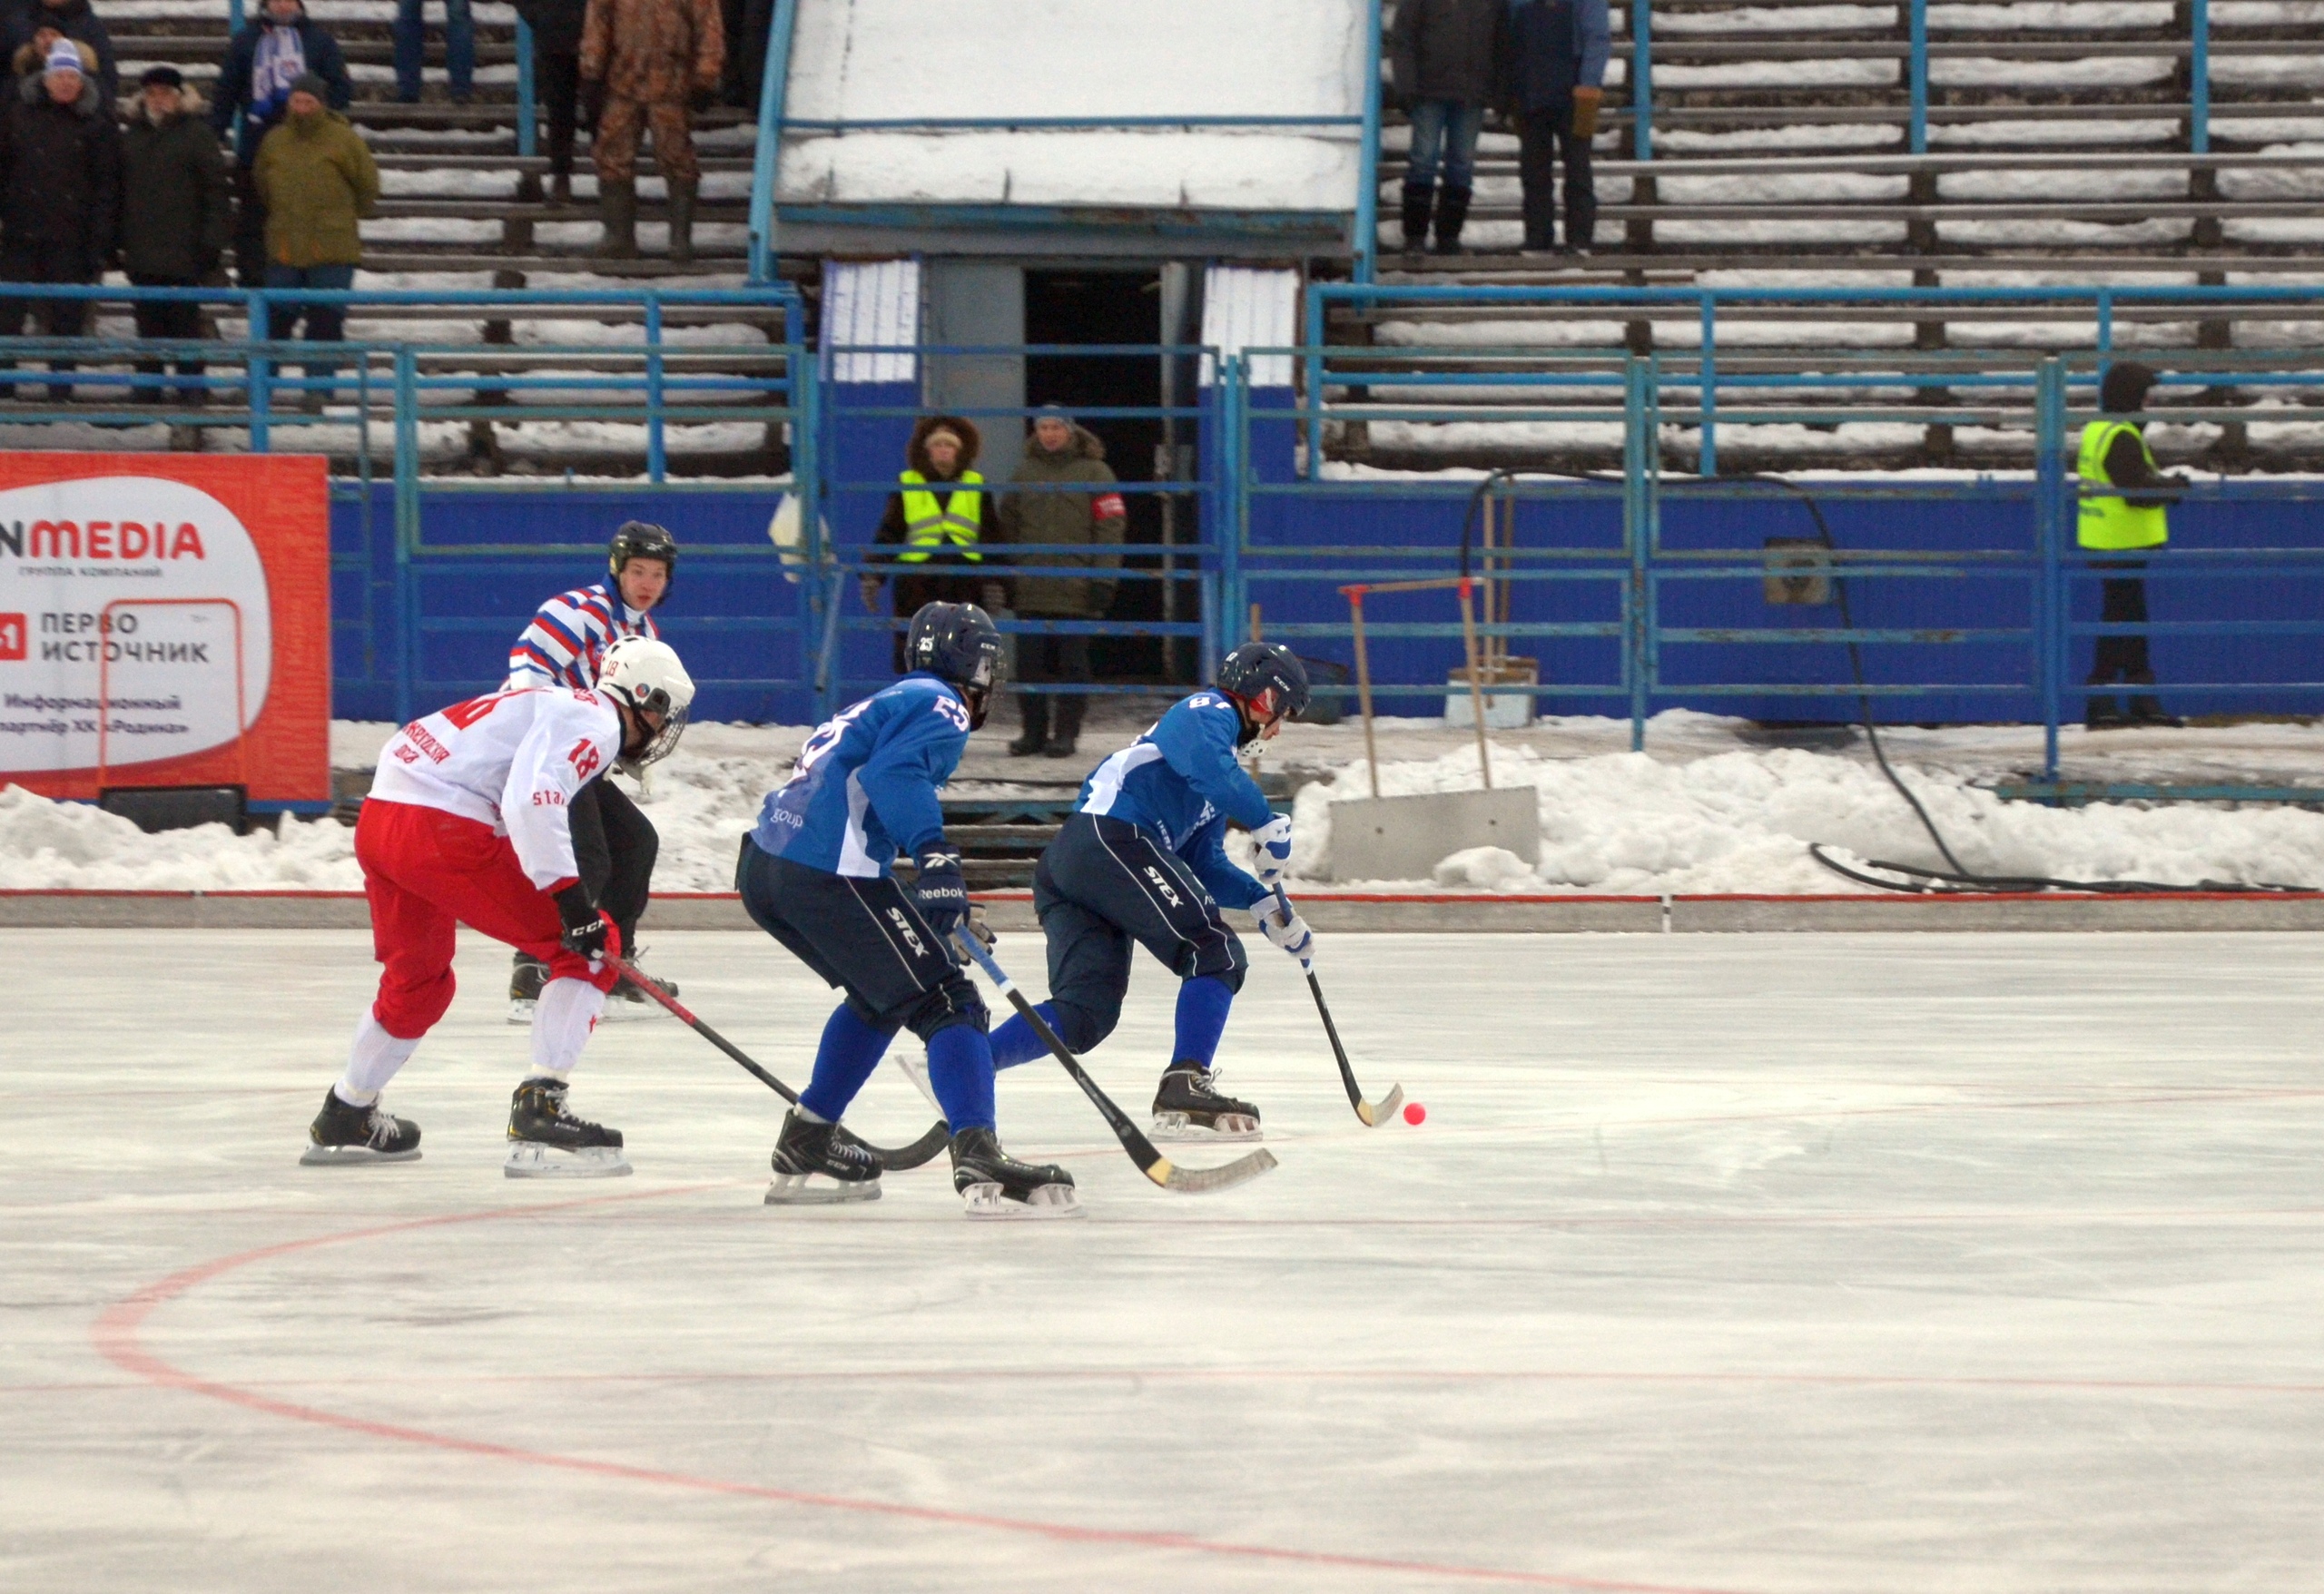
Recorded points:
(1084, 445)
(31, 75)
(972, 443)
(189, 103)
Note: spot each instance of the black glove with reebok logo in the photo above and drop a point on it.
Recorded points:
(940, 893)
(587, 932)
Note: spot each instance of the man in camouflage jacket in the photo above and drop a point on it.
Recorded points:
(642, 61)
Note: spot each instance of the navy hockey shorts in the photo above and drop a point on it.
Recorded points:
(864, 937)
(1104, 884)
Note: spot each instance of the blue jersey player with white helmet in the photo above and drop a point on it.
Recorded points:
(815, 874)
(1143, 859)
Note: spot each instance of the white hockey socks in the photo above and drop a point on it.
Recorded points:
(371, 1062)
(568, 1010)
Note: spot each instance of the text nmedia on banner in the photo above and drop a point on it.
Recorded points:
(166, 623)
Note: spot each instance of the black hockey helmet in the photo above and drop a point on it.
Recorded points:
(642, 539)
(957, 643)
(1267, 679)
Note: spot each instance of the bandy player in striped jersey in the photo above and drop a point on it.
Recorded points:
(565, 647)
(478, 815)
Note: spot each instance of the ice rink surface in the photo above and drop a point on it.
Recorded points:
(1804, 1263)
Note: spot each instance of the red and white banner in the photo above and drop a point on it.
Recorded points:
(165, 622)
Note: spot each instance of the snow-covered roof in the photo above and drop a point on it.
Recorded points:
(870, 60)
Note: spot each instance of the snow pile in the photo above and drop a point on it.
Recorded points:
(1626, 823)
(47, 846)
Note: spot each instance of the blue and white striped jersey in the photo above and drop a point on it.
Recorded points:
(865, 783)
(1179, 783)
(568, 637)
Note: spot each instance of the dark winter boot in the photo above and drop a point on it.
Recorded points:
(2104, 714)
(996, 1184)
(1034, 709)
(1188, 1107)
(344, 1134)
(682, 222)
(617, 203)
(2146, 709)
(525, 982)
(817, 1164)
(1067, 730)
(1419, 200)
(1452, 215)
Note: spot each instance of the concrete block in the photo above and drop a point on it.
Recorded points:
(1406, 838)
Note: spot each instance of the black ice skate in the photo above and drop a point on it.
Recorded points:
(525, 982)
(817, 1164)
(1188, 1107)
(344, 1134)
(996, 1184)
(548, 1142)
(626, 1001)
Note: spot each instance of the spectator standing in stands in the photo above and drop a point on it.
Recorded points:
(176, 211)
(1554, 74)
(938, 517)
(317, 180)
(1061, 454)
(60, 191)
(1445, 59)
(41, 23)
(557, 74)
(645, 61)
(411, 49)
(262, 62)
(2115, 453)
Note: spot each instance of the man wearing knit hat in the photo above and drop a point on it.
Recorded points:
(317, 180)
(276, 48)
(1078, 507)
(60, 192)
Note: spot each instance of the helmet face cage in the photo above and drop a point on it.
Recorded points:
(1267, 678)
(662, 743)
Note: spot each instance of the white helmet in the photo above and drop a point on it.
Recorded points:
(646, 675)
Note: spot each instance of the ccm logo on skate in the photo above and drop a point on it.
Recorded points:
(1162, 885)
(911, 936)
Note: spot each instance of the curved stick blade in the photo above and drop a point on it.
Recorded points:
(1384, 1110)
(1202, 1181)
(919, 1153)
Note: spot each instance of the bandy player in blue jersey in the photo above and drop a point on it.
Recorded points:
(815, 874)
(1143, 859)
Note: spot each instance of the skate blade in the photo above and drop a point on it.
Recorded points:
(818, 1190)
(989, 1203)
(347, 1156)
(529, 1159)
(520, 1011)
(1225, 1127)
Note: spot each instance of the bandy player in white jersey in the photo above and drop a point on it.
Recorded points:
(470, 819)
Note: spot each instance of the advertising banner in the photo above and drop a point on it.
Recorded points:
(165, 621)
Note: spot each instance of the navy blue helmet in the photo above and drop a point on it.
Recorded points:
(957, 643)
(1266, 678)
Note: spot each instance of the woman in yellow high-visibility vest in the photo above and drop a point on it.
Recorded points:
(2113, 454)
(935, 523)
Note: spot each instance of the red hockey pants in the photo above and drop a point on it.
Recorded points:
(426, 871)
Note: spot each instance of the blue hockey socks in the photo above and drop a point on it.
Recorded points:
(1018, 1042)
(959, 1071)
(1202, 1019)
(851, 1050)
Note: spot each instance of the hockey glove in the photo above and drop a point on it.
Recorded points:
(1273, 842)
(588, 933)
(975, 925)
(941, 894)
(1290, 932)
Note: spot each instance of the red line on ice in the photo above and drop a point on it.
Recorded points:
(118, 1337)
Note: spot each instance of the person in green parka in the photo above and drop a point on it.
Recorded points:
(1059, 456)
(317, 180)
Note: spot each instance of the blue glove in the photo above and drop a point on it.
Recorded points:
(940, 893)
(1273, 844)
